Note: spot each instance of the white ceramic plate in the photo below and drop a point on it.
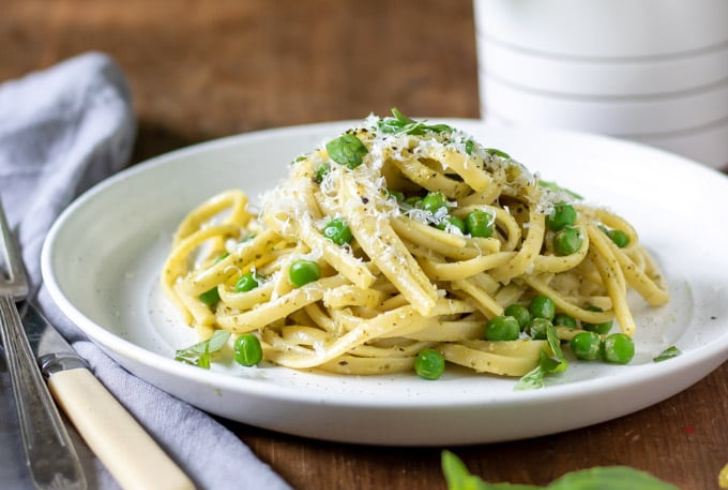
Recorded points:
(708, 145)
(102, 258)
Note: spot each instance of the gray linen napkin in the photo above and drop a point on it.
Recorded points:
(61, 131)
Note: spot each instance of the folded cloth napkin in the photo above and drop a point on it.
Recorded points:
(61, 131)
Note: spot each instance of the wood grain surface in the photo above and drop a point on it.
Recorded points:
(205, 69)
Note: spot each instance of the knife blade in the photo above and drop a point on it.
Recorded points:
(130, 454)
(51, 350)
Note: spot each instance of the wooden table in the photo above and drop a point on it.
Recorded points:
(205, 69)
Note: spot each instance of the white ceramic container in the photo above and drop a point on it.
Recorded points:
(617, 78)
(649, 70)
(617, 29)
(707, 144)
(614, 116)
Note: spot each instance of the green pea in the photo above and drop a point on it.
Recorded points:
(433, 202)
(303, 272)
(502, 328)
(429, 364)
(210, 297)
(562, 215)
(586, 346)
(247, 282)
(248, 351)
(520, 313)
(451, 221)
(538, 328)
(619, 238)
(564, 320)
(542, 307)
(567, 241)
(600, 328)
(618, 348)
(321, 172)
(338, 231)
(479, 224)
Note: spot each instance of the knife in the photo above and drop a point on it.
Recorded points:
(129, 453)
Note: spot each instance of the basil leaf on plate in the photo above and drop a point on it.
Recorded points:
(547, 364)
(200, 354)
(347, 150)
(668, 353)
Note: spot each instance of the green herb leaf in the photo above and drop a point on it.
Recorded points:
(557, 188)
(609, 478)
(403, 124)
(347, 150)
(553, 339)
(298, 159)
(456, 473)
(200, 354)
(459, 478)
(469, 147)
(204, 361)
(599, 478)
(534, 379)
(668, 353)
(547, 364)
(493, 151)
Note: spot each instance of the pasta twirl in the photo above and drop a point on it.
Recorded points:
(404, 236)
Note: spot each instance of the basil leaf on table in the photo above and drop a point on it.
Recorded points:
(458, 477)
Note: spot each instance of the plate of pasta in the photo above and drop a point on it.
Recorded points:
(404, 281)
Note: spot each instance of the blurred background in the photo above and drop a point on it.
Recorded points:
(655, 71)
(205, 69)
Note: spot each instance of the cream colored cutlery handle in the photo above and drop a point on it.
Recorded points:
(129, 453)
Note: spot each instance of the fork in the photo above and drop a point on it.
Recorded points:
(51, 456)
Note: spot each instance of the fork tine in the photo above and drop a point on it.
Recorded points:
(17, 282)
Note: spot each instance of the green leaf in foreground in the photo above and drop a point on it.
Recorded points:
(546, 365)
(668, 353)
(347, 150)
(610, 478)
(459, 478)
(557, 188)
(600, 478)
(200, 354)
